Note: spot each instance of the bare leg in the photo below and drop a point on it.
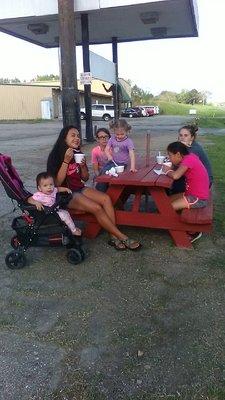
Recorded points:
(83, 203)
(103, 199)
(178, 202)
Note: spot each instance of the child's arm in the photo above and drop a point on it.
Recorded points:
(96, 169)
(35, 203)
(94, 161)
(180, 171)
(63, 189)
(132, 160)
(108, 152)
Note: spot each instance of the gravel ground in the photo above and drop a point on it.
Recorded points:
(137, 326)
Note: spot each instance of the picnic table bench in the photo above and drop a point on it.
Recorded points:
(146, 182)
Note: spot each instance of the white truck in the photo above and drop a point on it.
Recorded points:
(99, 111)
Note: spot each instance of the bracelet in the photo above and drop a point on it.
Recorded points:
(65, 162)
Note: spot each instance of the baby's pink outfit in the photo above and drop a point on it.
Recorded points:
(48, 200)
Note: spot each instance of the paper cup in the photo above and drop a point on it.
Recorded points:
(119, 169)
(78, 157)
(168, 164)
(160, 159)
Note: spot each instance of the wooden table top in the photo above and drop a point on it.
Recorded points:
(145, 176)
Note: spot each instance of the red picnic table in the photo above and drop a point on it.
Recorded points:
(146, 182)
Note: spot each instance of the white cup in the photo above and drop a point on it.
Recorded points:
(119, 169)
(168, 164)
(78, 157)
(160, 159)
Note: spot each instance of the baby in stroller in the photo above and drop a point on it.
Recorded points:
(39, 225)
(46, 196)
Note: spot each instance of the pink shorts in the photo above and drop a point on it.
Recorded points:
(194, 202)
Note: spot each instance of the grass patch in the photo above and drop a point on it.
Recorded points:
(183, 109)
(216, 155)
(207, 122)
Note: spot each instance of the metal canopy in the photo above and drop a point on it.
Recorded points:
(37, 21)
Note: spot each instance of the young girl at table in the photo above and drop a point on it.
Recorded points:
(187, 135)
(120, 148)
(196, 193)
(99, 158)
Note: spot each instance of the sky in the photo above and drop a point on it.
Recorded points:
(170, 64)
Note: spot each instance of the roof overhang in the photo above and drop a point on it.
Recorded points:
(128, 20)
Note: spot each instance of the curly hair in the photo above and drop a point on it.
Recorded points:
(120, 124)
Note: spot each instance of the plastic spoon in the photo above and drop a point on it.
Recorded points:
(115, 163)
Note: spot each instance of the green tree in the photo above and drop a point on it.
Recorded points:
(50, 77)
(7, 80)
(167, 96)
(140, 96)
(190, 97)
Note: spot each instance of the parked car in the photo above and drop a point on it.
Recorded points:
(138, 111)
(130, 113)
(99, 111)
(151, 110)
(143, 111)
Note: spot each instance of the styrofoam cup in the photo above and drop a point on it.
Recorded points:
(168, 164)
(78, 157)
(119, 169)
(160, 159)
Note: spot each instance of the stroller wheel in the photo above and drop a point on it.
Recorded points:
(15, 260)
(15, 242)
(83, 254)
(74, 256)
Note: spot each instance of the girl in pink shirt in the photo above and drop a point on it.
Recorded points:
(46, 196)
(98, 156)
(197, 180)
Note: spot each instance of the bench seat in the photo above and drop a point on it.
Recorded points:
(200, 216)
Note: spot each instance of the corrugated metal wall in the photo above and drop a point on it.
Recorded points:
(22, 102)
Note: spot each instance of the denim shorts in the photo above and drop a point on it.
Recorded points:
(194, 202)
(78, 191)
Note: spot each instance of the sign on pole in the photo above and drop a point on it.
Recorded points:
(102, 68)
(85, 78)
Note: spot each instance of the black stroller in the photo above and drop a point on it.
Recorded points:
(33, 227)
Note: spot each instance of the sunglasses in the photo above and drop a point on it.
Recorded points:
(102, 137)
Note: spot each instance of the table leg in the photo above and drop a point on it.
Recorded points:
(162, 201)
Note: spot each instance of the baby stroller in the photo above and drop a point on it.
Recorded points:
(33, 227)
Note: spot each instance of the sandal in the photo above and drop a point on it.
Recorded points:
(129, 244)
(118, 244)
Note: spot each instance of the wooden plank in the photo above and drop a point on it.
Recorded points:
(137, 201)
(202, 215)
(130, 178)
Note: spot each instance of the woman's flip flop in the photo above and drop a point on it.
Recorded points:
(118, 244)
(131, 244)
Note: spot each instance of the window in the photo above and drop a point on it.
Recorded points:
(109, 107)
(97, 107)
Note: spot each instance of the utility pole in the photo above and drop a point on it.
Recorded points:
(115, 87)
(87, 88)
(67, 43)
